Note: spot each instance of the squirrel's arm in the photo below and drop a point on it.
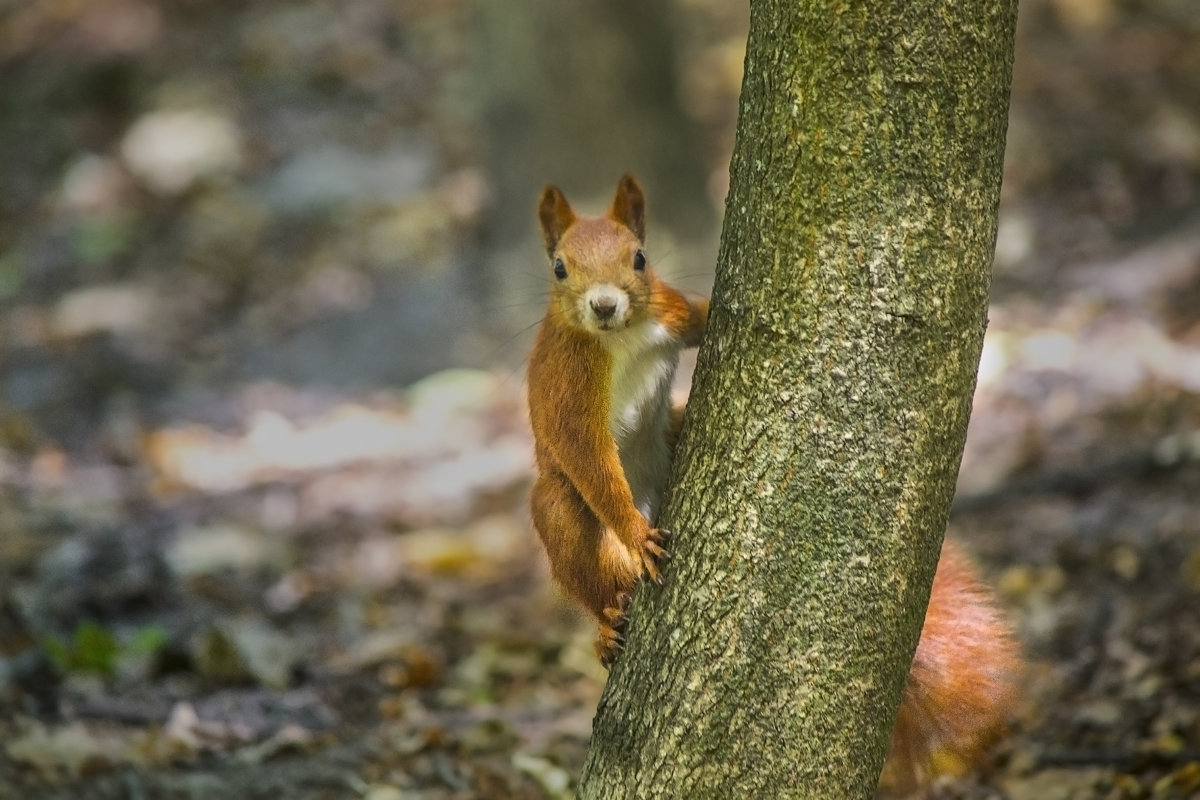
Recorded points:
(569, 402)
(684, 318)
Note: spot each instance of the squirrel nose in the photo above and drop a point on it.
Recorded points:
(604, 309)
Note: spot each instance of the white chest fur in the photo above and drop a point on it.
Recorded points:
(644, 359)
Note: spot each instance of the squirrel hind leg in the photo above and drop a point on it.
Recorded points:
(962, 687)
(611, 637)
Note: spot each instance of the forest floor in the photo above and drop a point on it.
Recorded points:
(257, 540)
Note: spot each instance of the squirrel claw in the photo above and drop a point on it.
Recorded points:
(607, 650)
(608, 645)
(612, 630)
(653, 553)
(616, 614)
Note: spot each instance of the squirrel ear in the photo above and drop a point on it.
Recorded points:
(629, 206)
(556, 216)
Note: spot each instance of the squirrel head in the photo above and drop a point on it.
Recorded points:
(601, 279)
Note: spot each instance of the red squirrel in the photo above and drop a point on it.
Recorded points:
(599, 402)
(604, 433)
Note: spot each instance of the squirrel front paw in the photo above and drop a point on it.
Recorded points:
(653, 554)
(612, 630)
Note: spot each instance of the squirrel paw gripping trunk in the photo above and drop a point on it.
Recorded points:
(604, 433)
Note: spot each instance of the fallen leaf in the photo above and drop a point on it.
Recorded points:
(551, 777)
(74, 749)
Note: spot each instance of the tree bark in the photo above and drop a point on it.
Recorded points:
(829, 406)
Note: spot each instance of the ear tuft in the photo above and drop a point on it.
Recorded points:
(629, 206)
(555, 214)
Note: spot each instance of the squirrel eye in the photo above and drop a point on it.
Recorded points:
(639, 261)
(560, 269)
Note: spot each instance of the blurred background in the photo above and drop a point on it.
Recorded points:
(268, 272)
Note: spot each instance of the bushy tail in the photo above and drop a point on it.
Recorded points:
(962, 688)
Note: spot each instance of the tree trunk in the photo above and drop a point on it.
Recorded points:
(829, 408)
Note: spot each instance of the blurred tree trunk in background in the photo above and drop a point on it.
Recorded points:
(829, 408)
(575, 94)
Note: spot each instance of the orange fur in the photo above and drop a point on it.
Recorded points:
(597, 463)
(962, 686)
